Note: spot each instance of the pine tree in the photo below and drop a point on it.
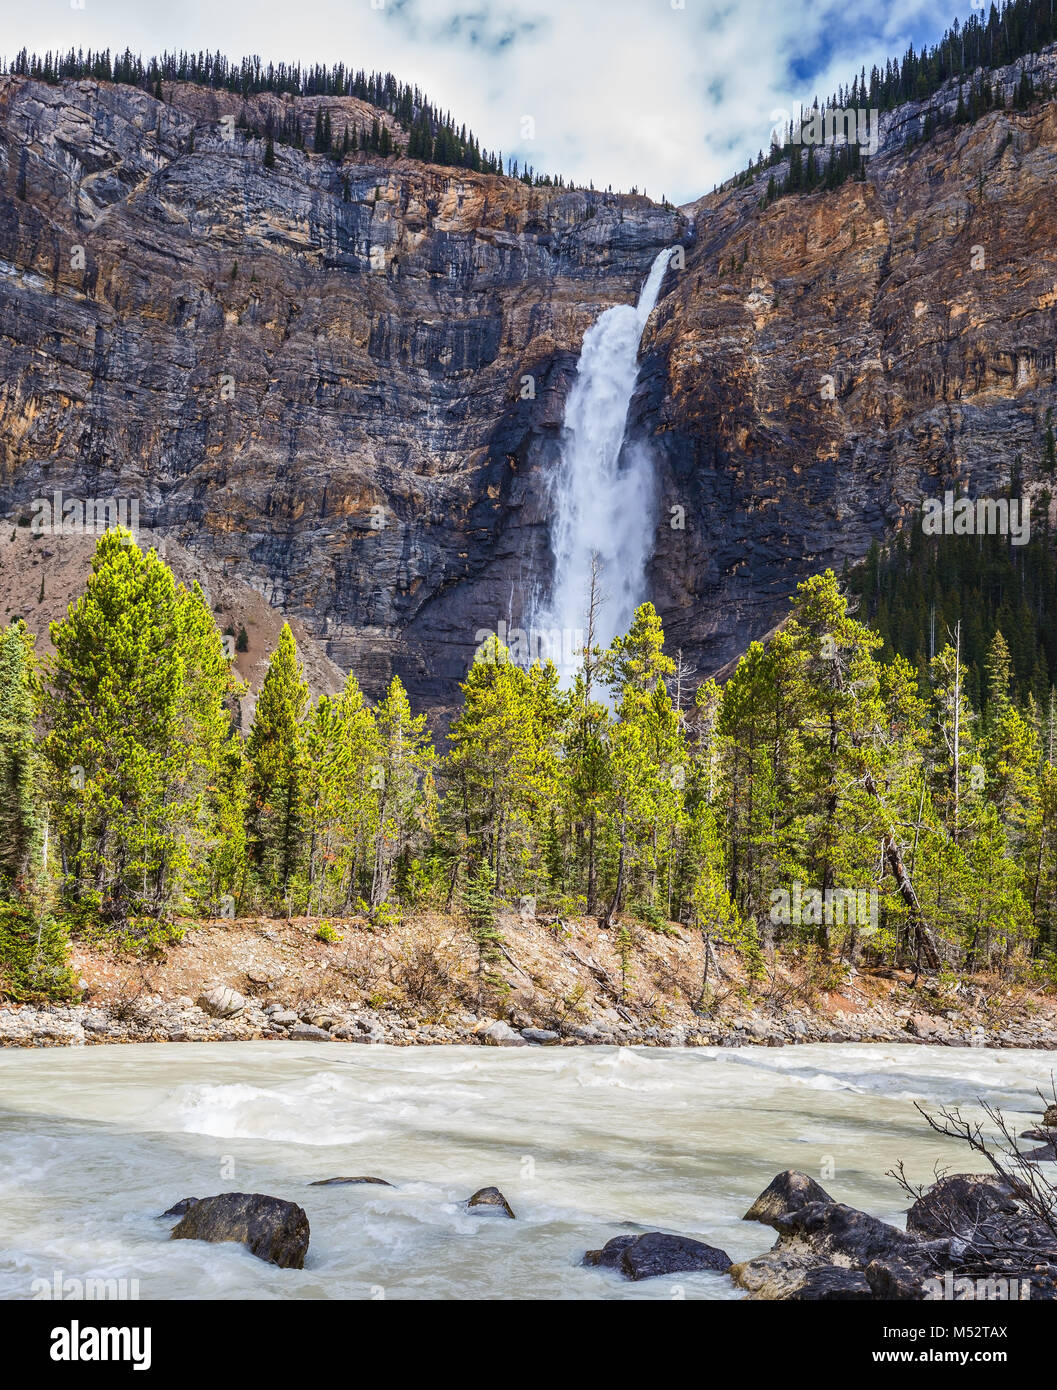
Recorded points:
(21, 815)
(277, 756)
(478, 902)
(404, 776)
(135, 713)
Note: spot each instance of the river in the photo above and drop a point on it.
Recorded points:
(582, 1141)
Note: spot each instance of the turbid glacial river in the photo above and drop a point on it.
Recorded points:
(586, 1143)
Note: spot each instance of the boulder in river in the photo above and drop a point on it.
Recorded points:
(959, 1204)
(1046, 1154)
(654, 1253)
(489, 1199)
(963, 1223)
(341, 1182)
(272, 1229)
(180, 1207)
(783, 1194)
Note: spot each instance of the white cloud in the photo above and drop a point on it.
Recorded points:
(624, 92)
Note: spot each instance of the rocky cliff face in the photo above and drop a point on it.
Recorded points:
(338, 383)
(343, 385)
(824, 363)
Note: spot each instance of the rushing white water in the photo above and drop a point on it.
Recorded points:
(603, 499)
(586, 1143)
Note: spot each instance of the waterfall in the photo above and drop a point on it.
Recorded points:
(603, 497)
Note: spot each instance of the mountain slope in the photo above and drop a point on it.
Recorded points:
(342, 384)
(312, 376)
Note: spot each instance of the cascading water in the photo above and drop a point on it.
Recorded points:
(603, 498)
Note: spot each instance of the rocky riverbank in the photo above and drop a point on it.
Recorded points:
(563, 984)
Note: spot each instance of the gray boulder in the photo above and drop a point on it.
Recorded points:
(308, 1032)
(273, 1230)
(222, 1002)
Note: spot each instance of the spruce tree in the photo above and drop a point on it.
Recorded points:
(21, 815)
(277, 757)
(136, 714)
(478, 902)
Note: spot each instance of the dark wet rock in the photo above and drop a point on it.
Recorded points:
(963, 1224)
(270, 1228)
(341, 1182)
(898, 1280)
(784, 1194)
(959, 1204)
(842, 1234)
(181, 1207)
(489, 1199)
(611, 1254)
(830, 1283)
(544, 1036)
(652, 1254)
(1046, 1154)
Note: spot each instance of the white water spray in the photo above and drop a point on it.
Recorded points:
(603, 498)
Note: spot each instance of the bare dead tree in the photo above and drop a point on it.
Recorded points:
(986, 1237)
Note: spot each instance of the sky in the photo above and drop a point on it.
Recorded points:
(666, 96)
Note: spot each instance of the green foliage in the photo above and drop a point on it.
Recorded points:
(625, 947)
(278, 775)
(20, 810)
(825, 796)
(479, 907)
(34, 952)
(136, 721)
(917, 590)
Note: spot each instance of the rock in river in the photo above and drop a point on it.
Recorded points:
(180, 1207)
(489, 1199)
(645, 1256)
(784, 1194)
(340, 1182)
(272, 1229)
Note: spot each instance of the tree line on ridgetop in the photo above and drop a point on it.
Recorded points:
(433, 136)
(977, 46)
(131, 802)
